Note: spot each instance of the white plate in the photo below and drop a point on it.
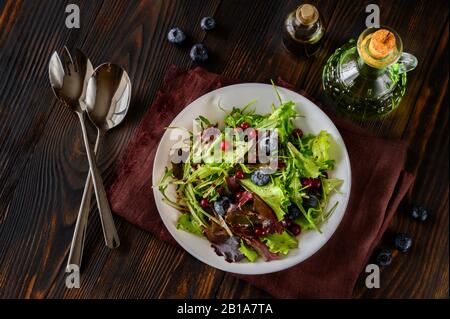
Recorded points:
(314, 121)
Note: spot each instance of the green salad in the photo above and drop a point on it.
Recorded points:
(251, 185)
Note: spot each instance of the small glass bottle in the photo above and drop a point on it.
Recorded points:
(366, 79)
(303, 31)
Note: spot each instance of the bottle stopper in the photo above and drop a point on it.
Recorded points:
(382, 43)
(307, 14)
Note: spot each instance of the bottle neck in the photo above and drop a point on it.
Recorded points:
(368, 70)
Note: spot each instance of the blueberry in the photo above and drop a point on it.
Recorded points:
(221, 205)
(293, 212)
(208, 23)
(260, 178)
(199, 53)
(176, 35)
(310, 202)
(419, 213)
(384, 258)
(403, 242)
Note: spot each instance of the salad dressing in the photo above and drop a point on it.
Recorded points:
(303, 31)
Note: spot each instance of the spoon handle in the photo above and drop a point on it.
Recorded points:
(109, 229)
(79, 234)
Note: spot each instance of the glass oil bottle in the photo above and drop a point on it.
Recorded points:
(303, 31)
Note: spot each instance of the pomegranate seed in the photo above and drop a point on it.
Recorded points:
(259, 231)
(306, 182)
(244, 125)
(316, 183)
(240, 174)
(281, 165)
(297, 133)
(204, 203)
(224, 145)
(295, 229)
(286, 222)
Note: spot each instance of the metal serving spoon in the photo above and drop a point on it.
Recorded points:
(108, 95)
(68, 78)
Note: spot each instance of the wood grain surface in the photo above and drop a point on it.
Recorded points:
(43, 163)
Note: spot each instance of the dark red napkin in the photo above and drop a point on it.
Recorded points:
(378, 185)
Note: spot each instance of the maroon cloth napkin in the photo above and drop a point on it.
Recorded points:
(378, 185)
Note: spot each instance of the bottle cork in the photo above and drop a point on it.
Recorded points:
(307, 14)
(382, 43)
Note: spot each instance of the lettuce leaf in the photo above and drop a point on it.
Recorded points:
(330, 185)
(272, 194)
(281, 118)
(305, 164)
(318, 147)
(280, 243)
(248, 252)
(187, 223)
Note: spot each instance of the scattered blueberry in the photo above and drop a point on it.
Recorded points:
(221, 205)
(199, 53)
(176, 35)
(310, 202)
(403, 242)
(260, 178)
(384, 258)
(293, 212)
(208, 23)
(419, 213)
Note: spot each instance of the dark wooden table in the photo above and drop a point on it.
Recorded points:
(43, 164)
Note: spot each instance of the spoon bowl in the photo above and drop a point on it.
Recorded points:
(108, 96)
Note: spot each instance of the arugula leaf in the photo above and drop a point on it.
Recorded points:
(280, 243)
(163, 184)
(248, 252)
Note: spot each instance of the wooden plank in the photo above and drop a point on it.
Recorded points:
(42, 159)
